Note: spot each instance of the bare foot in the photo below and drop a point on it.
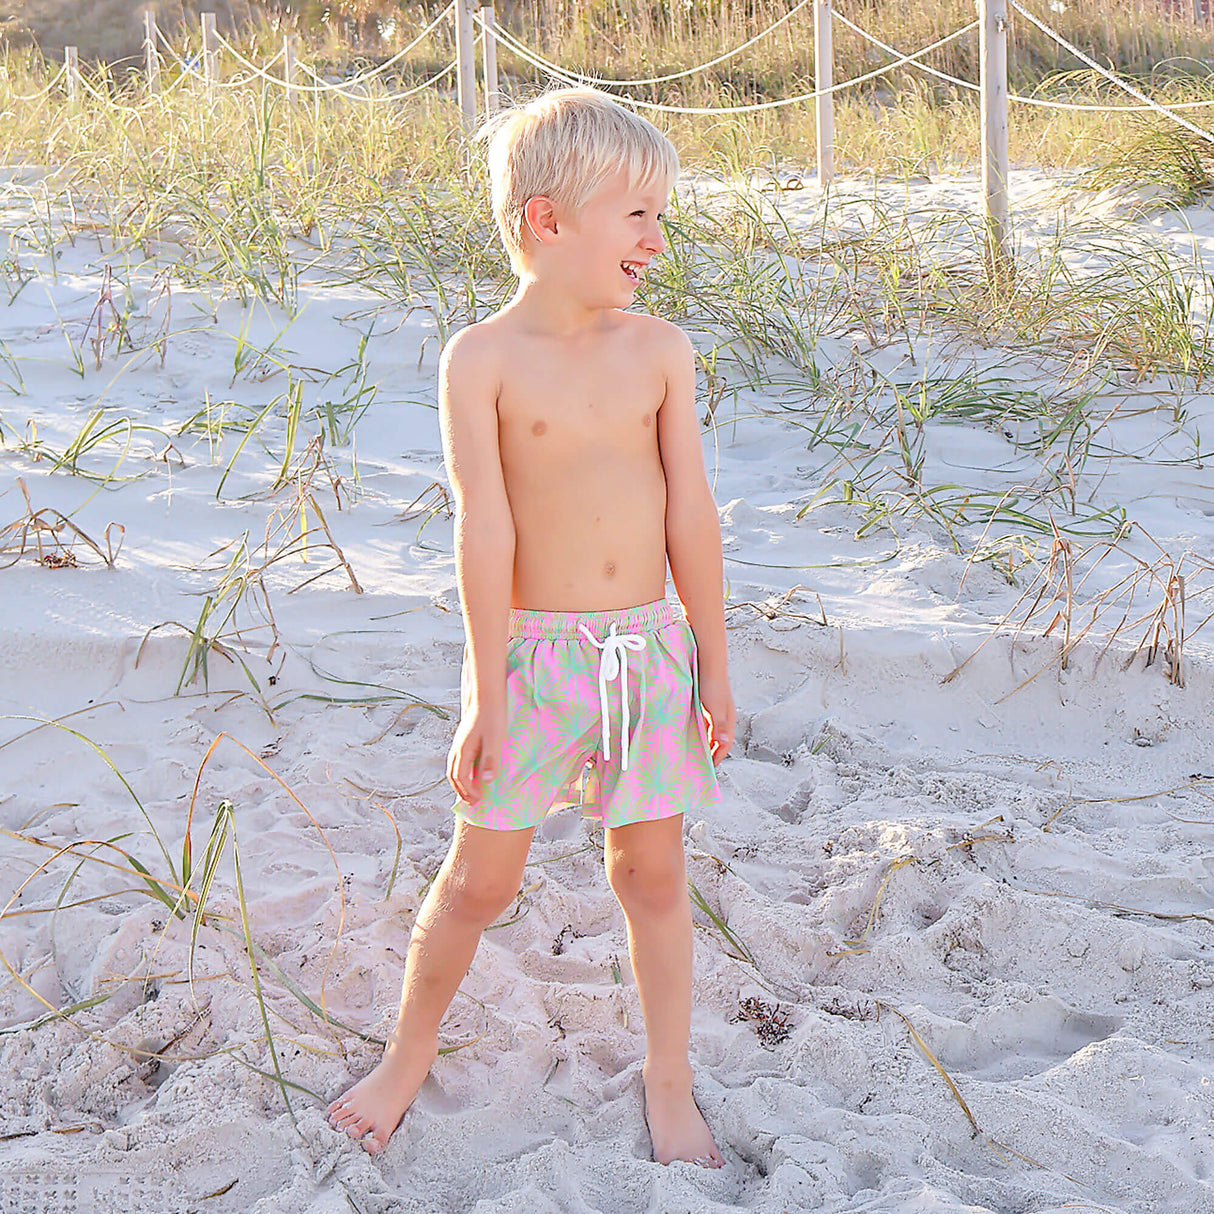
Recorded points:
(373, 1107)
(676, 1126)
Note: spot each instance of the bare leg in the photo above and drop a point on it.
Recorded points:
(646, 870)
(478, 880)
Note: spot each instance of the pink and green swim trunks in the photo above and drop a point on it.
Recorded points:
(615, 690)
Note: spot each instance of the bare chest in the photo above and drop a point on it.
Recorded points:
(569, 408)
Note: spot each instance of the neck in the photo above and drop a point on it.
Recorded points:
(552, 307)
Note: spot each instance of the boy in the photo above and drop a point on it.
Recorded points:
(572, 442)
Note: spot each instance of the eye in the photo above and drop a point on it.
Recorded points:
(636, 213)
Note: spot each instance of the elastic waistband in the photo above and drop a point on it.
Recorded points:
(557, 625)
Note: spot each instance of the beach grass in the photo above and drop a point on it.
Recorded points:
(246, 198)
(228, 209)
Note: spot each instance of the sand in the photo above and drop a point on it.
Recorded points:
(1003, 877)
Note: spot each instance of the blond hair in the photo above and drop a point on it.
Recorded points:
(563, 145)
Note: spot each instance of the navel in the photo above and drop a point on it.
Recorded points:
(609, 569)
(539, 427)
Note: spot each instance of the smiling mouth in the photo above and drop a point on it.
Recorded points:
(633, 269)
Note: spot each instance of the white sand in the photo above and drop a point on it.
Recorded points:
(1049, 937)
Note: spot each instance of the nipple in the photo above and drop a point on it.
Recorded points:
(539, 427)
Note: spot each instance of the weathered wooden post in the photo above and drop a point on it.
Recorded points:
(493, 97)
(289, 65)
(71, 63)
(210, 51)
(465, 68)
(150, 56)
(824, 72)
(992, 49)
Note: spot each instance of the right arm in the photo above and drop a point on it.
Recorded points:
(484, 551)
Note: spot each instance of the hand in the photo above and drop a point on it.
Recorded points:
(717, 701)
(476, 752)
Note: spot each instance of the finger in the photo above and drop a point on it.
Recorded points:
(453, 771)
(490, 761)
(465, 774)
(453, 774)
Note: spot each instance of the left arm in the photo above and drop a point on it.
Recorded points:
(693, 536)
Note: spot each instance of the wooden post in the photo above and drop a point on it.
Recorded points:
(72, 63)
(465, 69)
(151, 57)
(824, 73)
(288, 65)
(210, 51)
(992, 49)
(493, 97)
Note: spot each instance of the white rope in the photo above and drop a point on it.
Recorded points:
(289, 85)
(342, 91)
(112, 103)
(691, 71)
(189, 67)
(851, 25)
(239, 81)
(383, 67)
(1038, 101)
(181, 63)
(324, 86)
(194, 67)
(1112, 76)
(560, 74)
(102, 97)
(54, 80)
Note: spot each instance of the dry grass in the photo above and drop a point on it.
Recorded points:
(238, 605)
(905, 122)
(53, 540)
(1151, 596)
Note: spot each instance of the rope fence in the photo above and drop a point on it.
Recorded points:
(565, 77)
(475, 27)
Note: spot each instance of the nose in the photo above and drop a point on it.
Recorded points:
(654, 241)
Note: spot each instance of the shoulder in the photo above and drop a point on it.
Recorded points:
(661, 336)
(470, 369)
(471, 348)
(663, 345)
(667, 349)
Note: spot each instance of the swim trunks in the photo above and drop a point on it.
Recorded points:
(613, 691)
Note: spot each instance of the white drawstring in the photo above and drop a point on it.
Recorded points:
(613, 663)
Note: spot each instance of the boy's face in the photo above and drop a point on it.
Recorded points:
(614, 236)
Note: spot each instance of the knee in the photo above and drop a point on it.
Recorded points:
(476, 897)
(653, 884)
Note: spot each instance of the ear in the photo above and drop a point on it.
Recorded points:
(539, 215)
